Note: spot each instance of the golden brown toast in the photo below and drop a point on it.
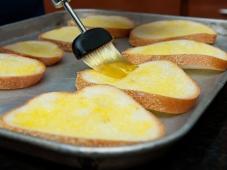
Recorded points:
(44, 51)
(117, 26)
(95, 116)
(63, 36)
(186, 53)
(157, 85)
(19, 72)
(171, 30)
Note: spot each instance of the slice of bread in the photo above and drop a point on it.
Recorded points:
(19, 72)
(95, 116)
(117, 26)
(186, 53)
(157, 85)
(63, 37)
(171, 30)
(46, 52)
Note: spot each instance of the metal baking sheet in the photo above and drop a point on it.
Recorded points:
(61, 77)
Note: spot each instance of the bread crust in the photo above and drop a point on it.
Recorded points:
(152, 101)
(115, 32)
(46, 61)
(19, 82)
(118, 32)
(203, 37)
(194, 61)
(66, 46)
(74, 140)
(66, 139)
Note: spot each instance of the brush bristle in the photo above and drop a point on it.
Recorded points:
(109, 61)
(105, 54)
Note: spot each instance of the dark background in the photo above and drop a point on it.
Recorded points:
(15, 10)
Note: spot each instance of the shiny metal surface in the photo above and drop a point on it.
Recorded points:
(75, 17)
(61, 78)
(223, 11)
(59, 3)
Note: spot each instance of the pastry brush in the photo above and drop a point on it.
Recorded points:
(95, 47)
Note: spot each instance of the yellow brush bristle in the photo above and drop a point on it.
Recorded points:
(108, 60)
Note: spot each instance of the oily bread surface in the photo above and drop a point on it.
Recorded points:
(107, 23)
(10, 120)
(62, 36)
(47, 60)
(171, 30)
(185, 53)
(14, 81)
(152, 101)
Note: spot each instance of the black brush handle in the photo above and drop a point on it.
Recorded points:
(89, 41)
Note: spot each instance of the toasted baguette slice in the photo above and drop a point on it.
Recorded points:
(47, 52)
(95, 116)
(171, 30)
(117, 26)
(63, 37)
(186, 53)
(19, 72)
(157, 85)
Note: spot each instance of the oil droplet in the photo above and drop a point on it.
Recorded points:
(116, 69)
